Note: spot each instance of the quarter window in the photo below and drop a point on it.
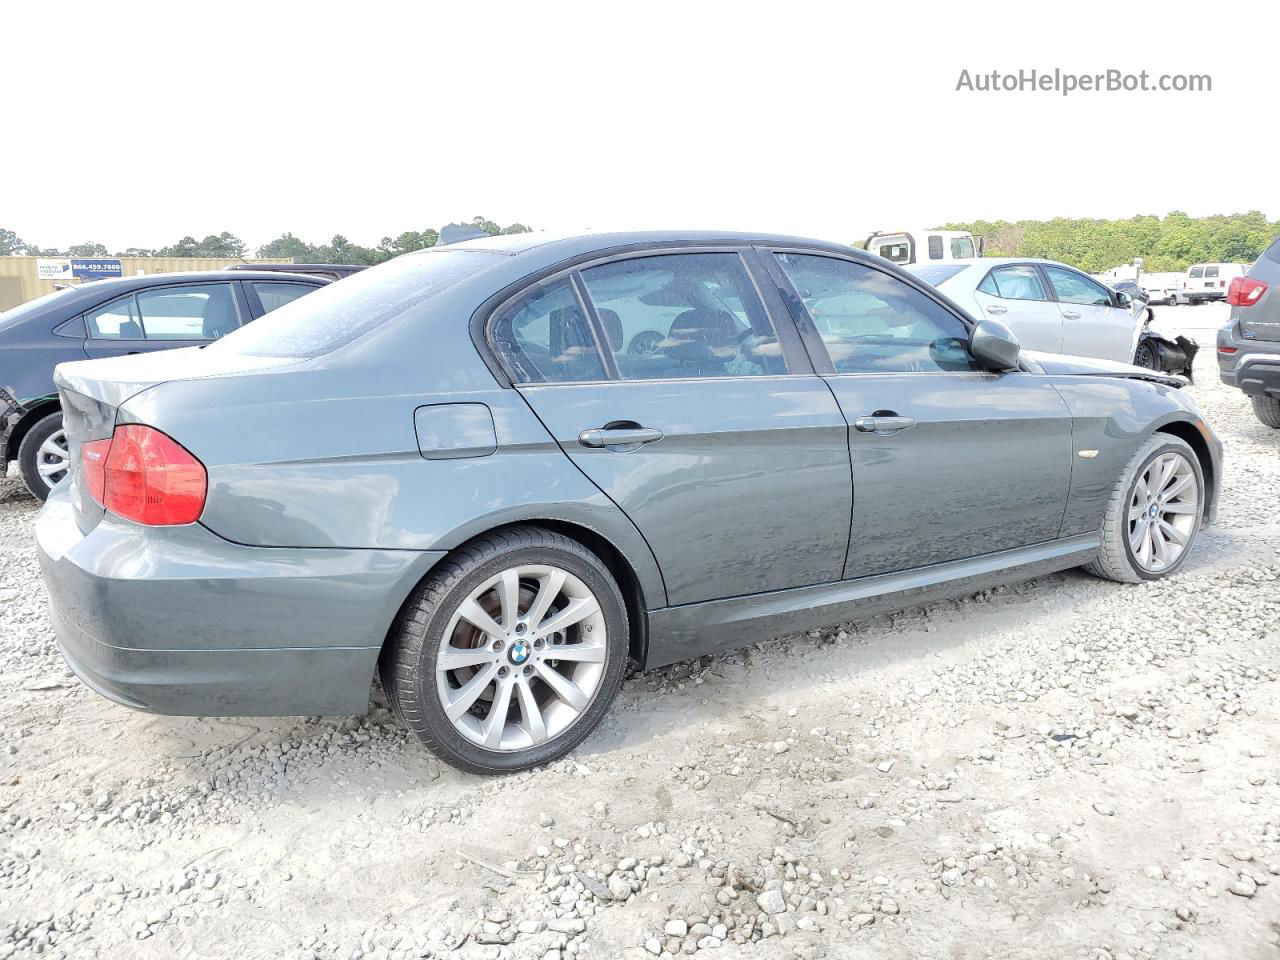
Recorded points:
(683, 315)
(192, 312)
(872, 322)
(1072, 287)
(1015, 282)
(273, 294)
(544, 337)
(117, 320)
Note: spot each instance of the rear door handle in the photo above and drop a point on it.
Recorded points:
(619, 436)
(1071, 314)
(997, 310)
(883, 424)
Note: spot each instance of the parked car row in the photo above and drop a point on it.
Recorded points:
(494, 472)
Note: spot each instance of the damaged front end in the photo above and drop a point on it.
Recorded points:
(1164, 354)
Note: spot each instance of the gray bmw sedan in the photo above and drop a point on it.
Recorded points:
(492, 472)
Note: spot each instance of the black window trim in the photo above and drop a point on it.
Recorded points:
(821, 359)
(483, 320)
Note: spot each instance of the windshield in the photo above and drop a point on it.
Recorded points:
(19, 313)
(337, 314)
(937, 275)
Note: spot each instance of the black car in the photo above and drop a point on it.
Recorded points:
(108, 318)
(332, 271)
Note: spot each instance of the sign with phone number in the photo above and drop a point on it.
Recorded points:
(96, 268)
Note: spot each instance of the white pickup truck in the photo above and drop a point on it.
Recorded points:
(924, 246)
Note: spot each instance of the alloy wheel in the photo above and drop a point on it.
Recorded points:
(522, 658)
(53, 459)
(1163, 512)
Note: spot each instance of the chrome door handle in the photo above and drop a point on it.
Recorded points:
(619, 437)
(1071, 314)
(997, 310)
(883, 424)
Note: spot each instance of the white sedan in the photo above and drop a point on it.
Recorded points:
(1051, 307)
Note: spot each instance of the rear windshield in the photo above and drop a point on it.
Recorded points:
(337, 314)
(11, 318)
(937, 274)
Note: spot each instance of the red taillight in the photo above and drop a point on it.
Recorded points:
(93, 457)
(1245, 291)
(1228, 349)
(142, 475)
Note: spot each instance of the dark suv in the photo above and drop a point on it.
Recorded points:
(1249, 345)
(107, 318)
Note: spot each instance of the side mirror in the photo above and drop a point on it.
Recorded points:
(1123, 300)
(994, 345)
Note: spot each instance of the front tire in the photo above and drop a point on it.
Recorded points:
(1267, 410)
(509, 652)
(43, 457)
(1154, 513)
(1145, 356)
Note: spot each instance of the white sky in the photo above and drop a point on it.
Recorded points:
(134, 124)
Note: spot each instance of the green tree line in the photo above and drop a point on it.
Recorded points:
(228, 246)
(1169, 243)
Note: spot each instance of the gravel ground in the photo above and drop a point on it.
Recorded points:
(1062, 768)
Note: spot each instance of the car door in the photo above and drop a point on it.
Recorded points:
(665, 379)
(949, 461)
(163, 318)
(1092, 324)
(1015, 294)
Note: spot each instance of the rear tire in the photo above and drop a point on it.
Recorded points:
(1170, 505)
(529, 682)
(1267, 410)
(42, 455)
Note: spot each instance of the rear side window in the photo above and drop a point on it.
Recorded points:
(191, 312)
(337, 314)
(118, 320)
(544, 337)
(1196, 272)
(1273, 252)
(935, 247)
(676, 316)
(871, 322)
(273, 295)
(1017, 282)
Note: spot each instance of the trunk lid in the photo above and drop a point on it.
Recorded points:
(92, 392)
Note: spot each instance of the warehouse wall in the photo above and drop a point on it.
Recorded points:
(20, 282)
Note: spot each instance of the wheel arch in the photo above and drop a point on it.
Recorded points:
(1188, 432)
(35, 413)
(629, 580)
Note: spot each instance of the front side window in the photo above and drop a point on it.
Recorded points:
(273, 294)
(935, 247)
(683, 315)
(1016, 282)
(544, 337)
(117, 320)
(1073, 287)
(872, 322)
(962, 248)
(205, 311)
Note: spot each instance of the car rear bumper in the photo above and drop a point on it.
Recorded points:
(1203, 294)
(1254, 367)
(176, 620)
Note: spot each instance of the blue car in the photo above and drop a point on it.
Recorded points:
(108, 318)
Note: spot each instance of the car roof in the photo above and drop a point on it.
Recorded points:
(578, 243)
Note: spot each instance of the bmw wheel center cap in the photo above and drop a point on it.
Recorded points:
(519, 652)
